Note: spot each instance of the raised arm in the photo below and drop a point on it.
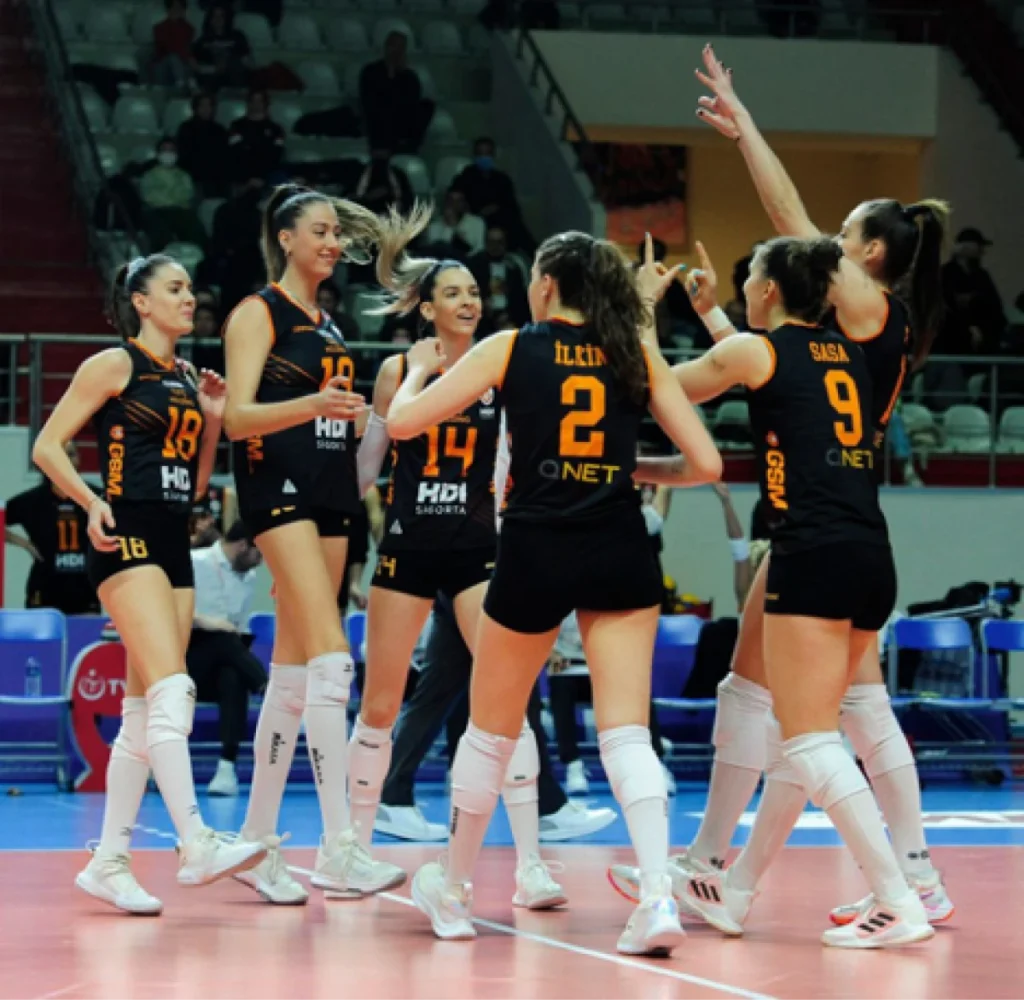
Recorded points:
(744, 359)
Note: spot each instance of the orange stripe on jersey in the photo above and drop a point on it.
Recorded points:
(315, 320)
(508, 357)
(270, 317)
(291, 364)
(878, 333)
(775, 363)
(167, 366)
(134, 408)
(897, 389)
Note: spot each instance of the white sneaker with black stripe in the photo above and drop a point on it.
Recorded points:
(713, 900)
(884, 925)
(930, 888)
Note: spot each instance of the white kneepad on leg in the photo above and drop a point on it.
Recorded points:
(369, 760)
(330, 679)
(172, 706)
(826, 770)
(286, 690)
(131, 737)
(632, 767)
(481, 764)
(741, 721)
(521, 777)
(867, 718)
(779, 767)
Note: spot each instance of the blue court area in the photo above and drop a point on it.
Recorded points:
(956, 815)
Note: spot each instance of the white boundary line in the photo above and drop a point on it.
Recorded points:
(576, 949)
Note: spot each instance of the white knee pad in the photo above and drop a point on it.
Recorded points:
(871, 726)
(481, 764)
(286, 690)
(827, 772)
(779, 768)
(632, 767)
(172, 706)
(521, 777)
(741, 722)
(131, 737)
(330, 680)
(368, 761)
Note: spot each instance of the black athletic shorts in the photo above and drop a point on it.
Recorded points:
(329, 523)
(546, 570)
(843, 582)
(150, 535)
(424, 573)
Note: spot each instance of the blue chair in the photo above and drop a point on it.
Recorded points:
(355, 629)
(674, 648)
(999, 636)
(36, 633)
(927, 635)
(263, 625)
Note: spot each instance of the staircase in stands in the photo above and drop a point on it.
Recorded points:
(47, 283)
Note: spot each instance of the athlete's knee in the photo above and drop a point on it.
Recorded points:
(171, 706)
(286, 690)
(871, 726)
(632, 767)
(779, 768)
(369, 759)
(131, 737)
(330, 679)
(741, 720)
(521, 777)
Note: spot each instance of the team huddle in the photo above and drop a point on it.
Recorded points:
(514, 493)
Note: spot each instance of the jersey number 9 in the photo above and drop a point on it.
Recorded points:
(845, 400)
(576, 438)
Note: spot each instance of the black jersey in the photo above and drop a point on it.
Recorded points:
(314, 461)
(573, 432)
(887, 358)
(149, 435)
(441, 493)
(812, 429)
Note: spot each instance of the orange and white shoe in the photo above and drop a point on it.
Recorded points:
(930, 888)
(884, 925)
(625, 879)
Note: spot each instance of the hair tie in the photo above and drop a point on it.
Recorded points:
(133, 271)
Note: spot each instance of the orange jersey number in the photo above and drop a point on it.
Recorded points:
(183, 429)
(845, 400)
(452, 449)
(589, 444)
(338, 366)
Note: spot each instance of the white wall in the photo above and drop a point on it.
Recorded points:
(853, 88)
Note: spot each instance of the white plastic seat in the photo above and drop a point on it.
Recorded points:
(442, 128)
(442, 38)
(448, 168)
(385, 26)
(104, 23)
(968, 429)
(298, 31)
(176, 111)
(416, 171)
(345, 35)
(256, 29)
(135, 114)
(320, 79)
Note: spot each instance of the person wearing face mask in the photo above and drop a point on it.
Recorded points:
(489, 193)
(501, 280)
(218, 657)
(168, 196)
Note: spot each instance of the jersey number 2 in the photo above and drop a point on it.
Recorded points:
(845, 400)
(576, 438)
(183, 429)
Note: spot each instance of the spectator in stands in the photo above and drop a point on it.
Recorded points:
(221, 52)
(502, 282)
(206, 326)
(55, 537)
(458, 231)
(172, 61)
(218, 656)
(328, 298)
(383, 185)
(491, 194)
(234, 262)
(257, 142)
(168, 197)
(203, 147)
(391, 97)
(975, 320)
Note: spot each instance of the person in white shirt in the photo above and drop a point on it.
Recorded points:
(457, 228)
(218, 656)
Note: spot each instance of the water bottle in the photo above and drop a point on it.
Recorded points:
(33, 678)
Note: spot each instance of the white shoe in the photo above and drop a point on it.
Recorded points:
(625, 879)
(884, 925)
(224, 781)
(271, 878)
(407, 823)
(654, 928)
(109, 878)
(711, 898)
(930, 888)
(576, 778)
(535, 888)
(210, 856)
(345, 870)
(449, 907)
(573, 820)
(670, 780)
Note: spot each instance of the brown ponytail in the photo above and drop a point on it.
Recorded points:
(399, 274)
(130, 278)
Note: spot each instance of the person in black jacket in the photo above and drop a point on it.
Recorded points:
(203, 147)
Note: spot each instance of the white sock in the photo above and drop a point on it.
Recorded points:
(127, 775)
(478, 772)
(899, 795)
(635, 774)
(328, 684)
(520, 795)
(172, 703)
(369, 758)
(834, 783)
(277, 732)
(729, 794)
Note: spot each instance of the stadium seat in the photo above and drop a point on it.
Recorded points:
(177, 110)
(423, 6)
(110, 161)
(297, 31)
(104, 23)
(256, 29)
(97, 111)
(229, 110)
(67, 22)
(386, 25)
(448, 168)
(145, 16)
(362, 300)
(207, 210)
(285, 112)
(190, 255)
(416, 171)
(471, 7)
(733, 412)
(442, 38)
(927, 635)
(135, 114)
(650, 14)
(442, 128)
(917, 418)
(999, 636)
(1011, 429)
(346, 35)
(320, 79)
(674, 650)
(968, 429)
(427, 83)
(598, 13)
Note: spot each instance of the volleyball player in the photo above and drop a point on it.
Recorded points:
(887, 298)
(439, 537)
(830, 582)
(293, 417)
(157, 429)
(575, 384)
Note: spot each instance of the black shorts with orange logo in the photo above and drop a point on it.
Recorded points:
(428, 572)
(845, 581)
(149, 535)
(329, 523)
